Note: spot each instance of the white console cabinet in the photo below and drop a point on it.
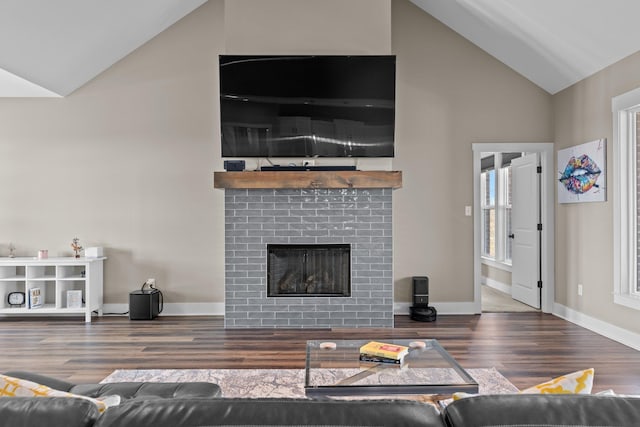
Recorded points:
(54, 277)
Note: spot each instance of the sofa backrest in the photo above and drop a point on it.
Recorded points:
(47, 411)
(549, 410)
(164, 390)
(269, 412)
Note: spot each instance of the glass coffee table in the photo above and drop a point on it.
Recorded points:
(334, 369)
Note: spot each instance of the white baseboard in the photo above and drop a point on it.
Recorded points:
(492, 283)
(174, 309)
(217, 308)
(616, 333)
(441, 307)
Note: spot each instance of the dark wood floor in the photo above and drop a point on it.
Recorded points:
(527, 348)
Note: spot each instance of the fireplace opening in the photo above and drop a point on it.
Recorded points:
(308, 270)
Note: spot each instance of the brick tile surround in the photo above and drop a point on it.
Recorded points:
(359, 217)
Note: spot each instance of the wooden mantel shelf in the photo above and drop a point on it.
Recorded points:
(308, 179)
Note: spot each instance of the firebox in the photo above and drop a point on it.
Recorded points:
(309, 270)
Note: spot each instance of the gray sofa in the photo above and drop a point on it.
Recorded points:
(212, 410)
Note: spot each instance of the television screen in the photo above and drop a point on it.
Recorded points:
(307, 106)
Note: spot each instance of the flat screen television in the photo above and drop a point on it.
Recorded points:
(307, 106)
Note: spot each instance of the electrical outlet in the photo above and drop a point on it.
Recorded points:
(467, 210)
(151, 281)
(579, 289)
(308, 162)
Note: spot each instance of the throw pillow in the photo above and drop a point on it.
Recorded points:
(579, 382)
(10, 386)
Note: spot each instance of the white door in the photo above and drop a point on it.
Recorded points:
(525, 217)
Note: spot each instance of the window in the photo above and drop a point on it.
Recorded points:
(508, 241)
(626, 120)
(495, 197)
(488, 197)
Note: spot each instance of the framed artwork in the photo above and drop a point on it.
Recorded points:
(582, 173)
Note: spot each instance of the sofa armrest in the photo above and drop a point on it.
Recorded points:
(54, 383)
(47, 411)
(543, 409)
(138, 390)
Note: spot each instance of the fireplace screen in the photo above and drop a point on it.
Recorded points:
(309, 270)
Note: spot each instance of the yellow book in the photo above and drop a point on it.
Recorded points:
(389, 351)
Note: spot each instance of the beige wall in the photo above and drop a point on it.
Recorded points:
(308, 26)
(584, 231)
(450, 94)
(126, 161)
(495, 274)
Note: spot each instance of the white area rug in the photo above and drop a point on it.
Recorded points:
(254, 383)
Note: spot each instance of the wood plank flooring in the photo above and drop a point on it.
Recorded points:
(527, 348)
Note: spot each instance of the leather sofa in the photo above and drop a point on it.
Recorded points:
(126, 390)
(199, 412)
(212, 410)
(479, 411)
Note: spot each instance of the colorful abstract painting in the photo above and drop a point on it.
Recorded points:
(582, 173)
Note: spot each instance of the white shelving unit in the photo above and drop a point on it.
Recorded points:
(54, 277)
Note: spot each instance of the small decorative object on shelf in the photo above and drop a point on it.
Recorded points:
(12, 249)
(75, 245)
(35, 298)
(74, 298)
(16, 299)
(94, 252)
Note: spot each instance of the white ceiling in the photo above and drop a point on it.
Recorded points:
(51, 48)
(553, 43)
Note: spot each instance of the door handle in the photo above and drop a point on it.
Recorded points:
(512, 236)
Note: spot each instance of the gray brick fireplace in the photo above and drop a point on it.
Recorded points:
(360, 218)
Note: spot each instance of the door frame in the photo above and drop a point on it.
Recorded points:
(547, 200)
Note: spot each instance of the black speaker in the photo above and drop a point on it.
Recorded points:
(145, 304)
(421, 291)
(234, 165)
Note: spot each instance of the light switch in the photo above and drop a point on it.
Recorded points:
(467, 210)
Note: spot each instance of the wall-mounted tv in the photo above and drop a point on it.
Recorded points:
(307, 106)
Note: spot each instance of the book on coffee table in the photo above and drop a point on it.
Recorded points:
(379, 359)
(384, 350)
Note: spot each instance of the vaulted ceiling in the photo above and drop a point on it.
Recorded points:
(553, 43)
(51, 48)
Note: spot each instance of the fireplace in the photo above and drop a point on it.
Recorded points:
(309, 270)
(354, 222)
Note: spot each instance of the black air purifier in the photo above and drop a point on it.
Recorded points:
(420, 310)
(145, 304)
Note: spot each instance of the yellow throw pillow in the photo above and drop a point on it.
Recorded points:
(13, 387)
(461, 395)
(579, 382)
